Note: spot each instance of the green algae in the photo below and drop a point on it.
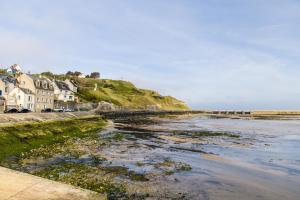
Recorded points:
(23, 137)
(170, 167)
(206, 134)
(85, 176)
(214, 134)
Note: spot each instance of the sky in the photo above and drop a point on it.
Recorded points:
(216, 54)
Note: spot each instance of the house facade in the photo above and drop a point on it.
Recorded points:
(21, 98)
(72, 85)
(2, 104)
(62, 92)
(2, 87)
(43, 89)
(7, 84)
(14, 69)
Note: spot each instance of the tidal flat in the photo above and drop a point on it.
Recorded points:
(197, 157)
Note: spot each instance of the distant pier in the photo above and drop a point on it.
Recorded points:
(128, 113)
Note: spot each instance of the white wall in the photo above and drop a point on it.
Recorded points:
(21, 99)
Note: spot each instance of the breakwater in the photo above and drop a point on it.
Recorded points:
(116, 114)
(255, 114)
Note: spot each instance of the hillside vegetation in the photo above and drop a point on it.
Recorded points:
(125, 94)
(121, 93)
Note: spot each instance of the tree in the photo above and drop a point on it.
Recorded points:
(76, 73)
(69, 73)
(95, 75)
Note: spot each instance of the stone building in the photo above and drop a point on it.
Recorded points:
(43, 89)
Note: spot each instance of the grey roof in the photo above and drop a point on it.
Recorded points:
(62, 85)
(42, 83)
(6, 78)
(26, 91)
(74, 83)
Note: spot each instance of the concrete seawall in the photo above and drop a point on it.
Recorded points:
(21, 186)
(6, 119)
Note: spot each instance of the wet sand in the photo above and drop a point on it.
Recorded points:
(194, 157)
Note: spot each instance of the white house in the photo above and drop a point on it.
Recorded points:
(21, 98)
(72, 85)
(81, 75)
(62, 92)
(14, 69)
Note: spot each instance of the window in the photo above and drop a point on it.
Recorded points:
(37, 99)
(19, 97)
(6, 89)
(29, 98)
(70, 97)
(0, 92)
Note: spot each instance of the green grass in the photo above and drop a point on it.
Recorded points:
(23, 137)
(125, 94)
(121, 93)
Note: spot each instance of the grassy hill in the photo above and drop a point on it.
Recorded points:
(125, 94)
(121, 93)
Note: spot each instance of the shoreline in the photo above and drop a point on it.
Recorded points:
(145, 156)
(12, 119)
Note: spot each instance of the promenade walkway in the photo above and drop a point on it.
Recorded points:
(21, 186)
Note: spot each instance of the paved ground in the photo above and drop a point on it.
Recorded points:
(20, 186)
(12, 118)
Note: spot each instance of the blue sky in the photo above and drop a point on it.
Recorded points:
(216, 54)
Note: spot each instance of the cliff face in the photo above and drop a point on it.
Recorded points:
(125, 94)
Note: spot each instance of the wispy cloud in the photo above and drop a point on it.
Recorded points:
(212, 54)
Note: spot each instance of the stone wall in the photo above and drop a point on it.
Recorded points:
(85, 106)
(64, 105)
